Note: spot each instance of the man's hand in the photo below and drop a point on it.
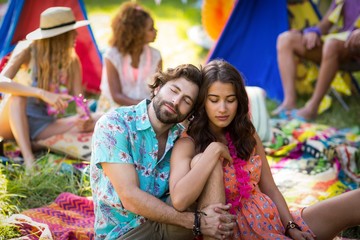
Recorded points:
(217, 222)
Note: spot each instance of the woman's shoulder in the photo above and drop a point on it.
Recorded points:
(155, 51)
(112, 51)
(20, 56)
(185, 136)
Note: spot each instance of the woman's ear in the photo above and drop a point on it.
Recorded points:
(190, 117)
(156, 90)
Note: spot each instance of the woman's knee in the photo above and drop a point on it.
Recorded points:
(17, 102)
(195, 160)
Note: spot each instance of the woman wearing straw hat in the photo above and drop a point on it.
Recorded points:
(55, 72)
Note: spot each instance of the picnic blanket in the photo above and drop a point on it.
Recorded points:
(68, 217)
(310, 162)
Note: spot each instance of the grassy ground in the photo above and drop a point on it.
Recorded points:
(172, 19)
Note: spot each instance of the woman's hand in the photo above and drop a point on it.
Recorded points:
(222, 151)
(296, 234)
(58, 101)
(85, 123)
(311, 40)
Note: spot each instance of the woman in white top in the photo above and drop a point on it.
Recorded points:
(130, 61)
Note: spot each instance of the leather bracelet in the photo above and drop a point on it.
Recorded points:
(197, 223)
(291, 225)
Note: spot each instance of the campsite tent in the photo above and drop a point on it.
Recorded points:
(23, 16)
(248, 41)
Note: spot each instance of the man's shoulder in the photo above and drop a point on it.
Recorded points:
(124, 114)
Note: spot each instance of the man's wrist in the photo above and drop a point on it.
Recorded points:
(197, 222)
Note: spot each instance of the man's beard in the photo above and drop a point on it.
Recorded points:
(165, 116)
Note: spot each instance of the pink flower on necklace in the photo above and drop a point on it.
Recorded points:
(242, 178)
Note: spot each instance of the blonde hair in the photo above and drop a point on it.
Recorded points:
(55, 56)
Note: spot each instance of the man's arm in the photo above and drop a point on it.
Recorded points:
(126, 183)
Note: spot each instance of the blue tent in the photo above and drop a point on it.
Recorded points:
(248, 41)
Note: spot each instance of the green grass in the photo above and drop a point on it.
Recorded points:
(39, 187)
(7, 208)
(25, 190)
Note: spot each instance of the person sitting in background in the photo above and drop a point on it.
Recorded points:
(55, 72)
(221, 159)
(130, 61)
(318, 45)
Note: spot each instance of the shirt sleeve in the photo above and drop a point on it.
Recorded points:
(110, 141)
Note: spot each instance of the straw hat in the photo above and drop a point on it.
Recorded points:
(55, 21)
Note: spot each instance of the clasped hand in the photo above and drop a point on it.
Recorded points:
(300, 235)
(218, 222)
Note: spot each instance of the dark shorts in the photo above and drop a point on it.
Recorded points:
(38, 118)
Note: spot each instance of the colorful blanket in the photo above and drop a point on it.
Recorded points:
(312, 162)
(68, 217)
(309, 162)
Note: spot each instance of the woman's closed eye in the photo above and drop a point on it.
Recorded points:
(231, 99)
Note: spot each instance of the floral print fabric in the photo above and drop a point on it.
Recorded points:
(257, 216)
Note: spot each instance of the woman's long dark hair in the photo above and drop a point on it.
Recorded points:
(241, 128)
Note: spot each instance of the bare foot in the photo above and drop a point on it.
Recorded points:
(307, 114)
(282, 107)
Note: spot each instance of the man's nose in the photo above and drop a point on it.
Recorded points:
(176, 100)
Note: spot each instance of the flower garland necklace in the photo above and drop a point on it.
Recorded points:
(242, 178)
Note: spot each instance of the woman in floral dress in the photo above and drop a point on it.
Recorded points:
(221, 159)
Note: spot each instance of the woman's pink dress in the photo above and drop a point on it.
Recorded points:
(258, 217)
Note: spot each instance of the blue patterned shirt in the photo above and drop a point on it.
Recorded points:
(126, 136)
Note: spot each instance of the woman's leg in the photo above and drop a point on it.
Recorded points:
(289, 47)
(334, 52)
(5, 129)
(69, 124)
(214, 190)
(14, 125)
(329, 217)
(59, 126)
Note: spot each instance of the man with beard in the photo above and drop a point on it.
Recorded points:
(130, 166)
